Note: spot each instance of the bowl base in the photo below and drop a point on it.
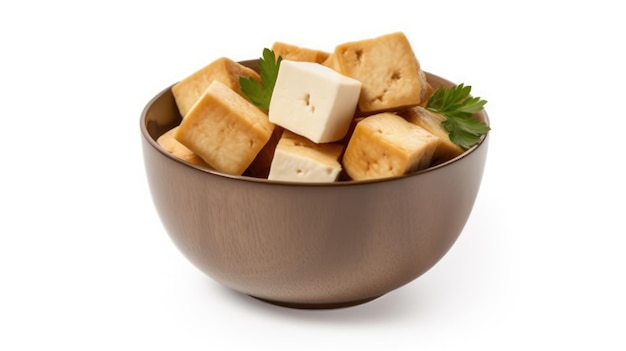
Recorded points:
(317, 306)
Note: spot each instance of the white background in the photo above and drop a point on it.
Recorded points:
(86, 265)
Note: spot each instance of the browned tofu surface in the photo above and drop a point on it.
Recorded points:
(173, 146)
(388, 69)
(225, 129)
(297, 53)
(188, 91)
(431, 121)
(386, 145)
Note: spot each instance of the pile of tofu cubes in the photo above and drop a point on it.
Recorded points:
(352, 114)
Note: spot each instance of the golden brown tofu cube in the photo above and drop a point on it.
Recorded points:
(188, 91)
(225, 129)
(386, 145)
(296, 53)
(388, 69)
(174, 147)
(431, 121)
(332, 62)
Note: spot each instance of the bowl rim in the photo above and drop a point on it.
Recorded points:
(243, 178)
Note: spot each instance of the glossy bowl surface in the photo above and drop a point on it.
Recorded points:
(308, 245)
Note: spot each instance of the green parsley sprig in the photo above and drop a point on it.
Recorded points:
(260, 94)
(458, 107)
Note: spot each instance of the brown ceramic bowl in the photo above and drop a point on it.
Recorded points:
(309, 245)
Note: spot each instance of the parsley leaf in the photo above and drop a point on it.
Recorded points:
(458, 107)
(260, 94)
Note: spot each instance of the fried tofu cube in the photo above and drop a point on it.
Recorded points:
(332, 62)
(388, 69)
(297, 53)
(298, 159)
(431, 121)
(188, 91)
(174, 147)
(386, 145)
(225, 129)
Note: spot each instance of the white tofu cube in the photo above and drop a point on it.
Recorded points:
(298, 159)
(313, 101)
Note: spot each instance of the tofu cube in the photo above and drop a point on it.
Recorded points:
(188, 91)
(225, 129)
(388, 69)
(297, 53)
(386, 145)
(174, 147)
(313, 101)
(431, 121)
(298, 159)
